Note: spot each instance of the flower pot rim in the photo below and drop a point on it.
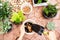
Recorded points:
(44, 14)
(50, 16)
(26, 4)
(28, 20)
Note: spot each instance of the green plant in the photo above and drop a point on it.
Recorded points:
(5, 26)
(17, 17)
(40, 1)
(51, 26)
(5, 10)
(50, 10)
(1, 27)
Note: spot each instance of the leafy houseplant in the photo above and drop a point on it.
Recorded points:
(49, 11)
(5, 11)
(7, 26)
(17, 17)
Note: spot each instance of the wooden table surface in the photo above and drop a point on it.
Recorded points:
(35, 15)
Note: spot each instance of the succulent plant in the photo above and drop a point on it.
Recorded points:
(51, 26)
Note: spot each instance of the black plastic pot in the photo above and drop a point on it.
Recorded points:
(49, 16)
(44, 1)
(35, 1)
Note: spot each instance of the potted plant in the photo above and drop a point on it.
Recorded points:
(27, 23)
(23, 30)
(40, 2)
(17, 17)
(7, 26)
(50, 26)
(26, 8)
(51, 30)
(5, 11)
(49, 11)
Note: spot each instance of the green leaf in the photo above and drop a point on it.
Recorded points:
(6, 25)
(39, 1)
(5, 10)
(1, 27)
(50, 9)
(17, 17)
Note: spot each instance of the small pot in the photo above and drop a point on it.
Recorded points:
(40, 4)
(23, 26)
(24, 5)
